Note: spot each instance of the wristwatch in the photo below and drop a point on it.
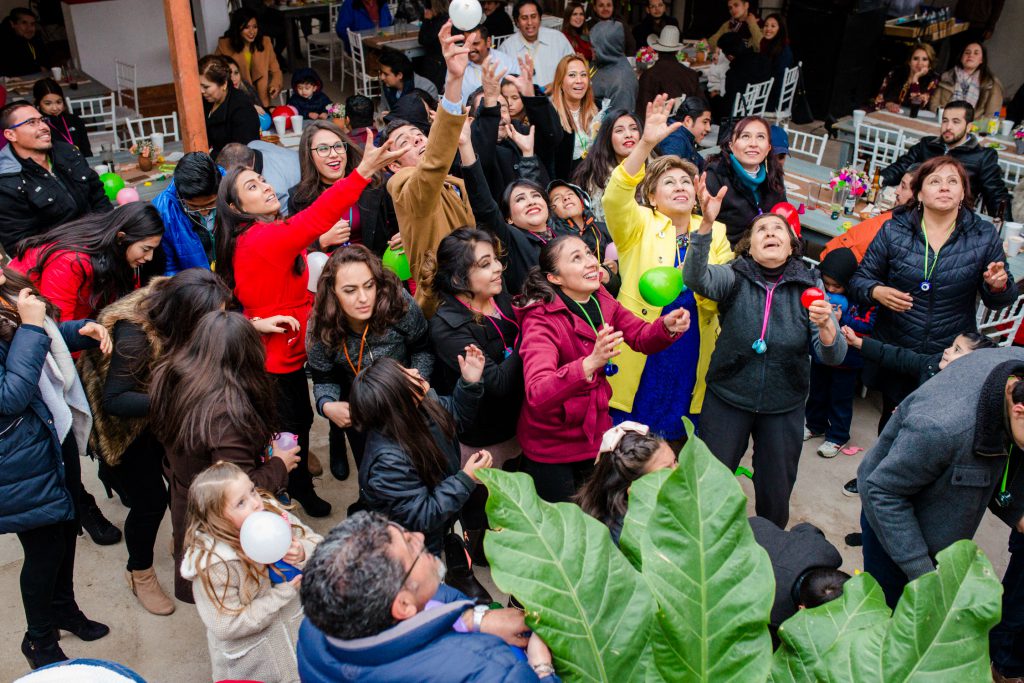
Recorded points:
(478, 616)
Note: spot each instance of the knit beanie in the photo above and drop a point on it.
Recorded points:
(839, 264)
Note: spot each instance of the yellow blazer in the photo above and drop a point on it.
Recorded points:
(264, 73)
(646, 239)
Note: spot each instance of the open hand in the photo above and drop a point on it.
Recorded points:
(852, 340)
(524, 141)
(710, 204)
(100, 334)
(656, 125)
(454, 50)
(472, 364)
(377, 158)
(490, 79)
(524, 79)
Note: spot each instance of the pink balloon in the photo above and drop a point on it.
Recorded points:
(127, 196)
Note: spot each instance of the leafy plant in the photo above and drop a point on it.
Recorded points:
(689, 595)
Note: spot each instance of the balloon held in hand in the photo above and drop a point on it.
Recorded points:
(661, 286)
(266, 537)
(810, 295)
(397, 262)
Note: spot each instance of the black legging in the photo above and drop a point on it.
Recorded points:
(558, 482)
(140, 474)
(295, 415)
(47, 574)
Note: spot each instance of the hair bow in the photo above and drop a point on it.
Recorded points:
(613, 436)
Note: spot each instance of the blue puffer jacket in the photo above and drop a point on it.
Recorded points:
(32, 488)
(181, 244)
(896, 259)
(424, 649)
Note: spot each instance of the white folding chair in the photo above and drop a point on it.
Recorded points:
(784, 108)
(127, 90)
(496, 41)
(1001, 326)
(1013, 172)
(325, 45)
(365, 84)
(754, 100)
(877, 147)
(807, 144)
(142, 128)
(99, 116)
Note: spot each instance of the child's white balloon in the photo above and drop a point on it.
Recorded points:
(265, 537)
(315, 265)
(465, 14)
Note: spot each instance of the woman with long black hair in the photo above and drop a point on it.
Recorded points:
(146, 325)
(88, 263)
(261, 256)
(619, 133)
(252, 51)
(360, 315)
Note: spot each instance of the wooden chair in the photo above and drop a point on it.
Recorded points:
(754, 100)
(784, 109)
(365, 84)
(324, 46)
(877, 147)
(141, 128)
(806, 144)
(99, 116)
(1001, 326)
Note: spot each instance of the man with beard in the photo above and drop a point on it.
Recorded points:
(43, 182)
(981, 163)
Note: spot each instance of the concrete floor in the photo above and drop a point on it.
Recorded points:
(174, 648)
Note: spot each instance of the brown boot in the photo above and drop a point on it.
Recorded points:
(314, 465)
(147, 589)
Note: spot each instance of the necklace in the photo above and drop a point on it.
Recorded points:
(1003, 499)
(362, 342)
(926, 281)
(610, 368)
(508, 349)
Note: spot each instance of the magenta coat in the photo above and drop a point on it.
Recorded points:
(565, 415)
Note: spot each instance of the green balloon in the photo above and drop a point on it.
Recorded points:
(662, 285)
(397, 263)
(112, 184)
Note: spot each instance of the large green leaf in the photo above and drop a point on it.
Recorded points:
(809, 633)
(582, 596)
(643, 495)
(713, 582)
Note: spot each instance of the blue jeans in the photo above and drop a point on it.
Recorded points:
(830, 402)
(878, 563)
(1006, 641)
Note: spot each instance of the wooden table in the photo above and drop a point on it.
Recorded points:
(291, 14)
(80, 85)
(391, 38)
(148, 183)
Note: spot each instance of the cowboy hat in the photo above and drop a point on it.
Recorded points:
(668, 41)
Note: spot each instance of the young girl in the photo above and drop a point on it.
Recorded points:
(628, 452)
(571, 328)
(64, 125)
(252, 624)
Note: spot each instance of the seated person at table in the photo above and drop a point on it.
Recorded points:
(308, 94)
(742, 22)
(746, 67)
(278, 165)
(376, 610)
(656, 18)
(971, 80)
(397, 78)
(545, 45)
(230, 117)
(981, 163)
(910, 84)
(67, 187)
(666, 76)
(479, 43)
(359, 112)
(63, 123)
(361, 15)
(23, 51)
(189, 212)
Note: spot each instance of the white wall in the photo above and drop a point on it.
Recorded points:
(211, 22)
(1004, 51)
(132, 31)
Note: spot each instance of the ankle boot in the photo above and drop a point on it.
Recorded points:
(316, 468)
(314, 505)
(144, 585)
(110, 483)
(42, 651)
(101, 531)
(459, 573)
(81, 626)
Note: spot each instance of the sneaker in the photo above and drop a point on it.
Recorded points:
(854, 540)
(808, 434)
(830, 449)
(850, 488)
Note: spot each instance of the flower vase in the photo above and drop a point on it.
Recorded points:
(145, 162)
(1020, 145)
(700, 57)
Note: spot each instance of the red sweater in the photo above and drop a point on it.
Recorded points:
(66, 281)
(565, 415)
(265, 281)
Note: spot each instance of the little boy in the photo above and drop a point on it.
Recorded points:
(830, 401)
(308, 95)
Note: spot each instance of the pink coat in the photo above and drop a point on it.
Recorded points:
(565, 415)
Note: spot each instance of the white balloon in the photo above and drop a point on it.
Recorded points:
(465, 14)
(265, 536)
(315, 265)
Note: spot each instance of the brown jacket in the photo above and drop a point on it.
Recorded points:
(264, 74)
(990, 99)
(427, 205)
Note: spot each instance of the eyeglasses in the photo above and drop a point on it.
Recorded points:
(196, 211)
(33, 122)
(325, 150)
(423, 551)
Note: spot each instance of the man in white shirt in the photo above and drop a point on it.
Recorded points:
(545, 45)
(479, 43)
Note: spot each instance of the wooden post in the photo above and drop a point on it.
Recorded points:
(185, 66)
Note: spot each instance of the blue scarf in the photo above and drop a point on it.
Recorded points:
(744, 177)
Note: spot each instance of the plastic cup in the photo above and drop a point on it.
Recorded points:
(158, 142)
(58, 73)
(1013, 229)
(280, 124)
(1016, 243)
(1005, 128)
(296, 124)
(101, 169)
(858, 117)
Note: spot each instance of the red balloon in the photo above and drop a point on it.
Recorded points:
(810, 295)
(789, 212)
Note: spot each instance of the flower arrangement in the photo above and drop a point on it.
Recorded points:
(646, 56)
(701, 46)
(335, 111)
(850, 177)
(143, 148)
(1019, 133)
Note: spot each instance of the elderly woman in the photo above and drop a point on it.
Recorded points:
(760, 369)
(658, 234)
(911, 84)
(926, 267)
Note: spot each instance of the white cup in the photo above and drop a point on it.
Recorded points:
(101, 169)
(58, 73)
(296, 124)
(280, 124)
(1013, 229)
(158, 142)
(1016, 243)
(858, 117)
(938, 115)
(1006, 127)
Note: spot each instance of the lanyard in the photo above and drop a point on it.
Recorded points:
(587, 315)
(67, 131)
(508, 349)
(362, 342)
(1003, 498)
(759, 345)
(927, 247)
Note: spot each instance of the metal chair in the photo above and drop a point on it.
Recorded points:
(365, 84)
(323, 47)
(99, 116)
(127, 90)
(142, 128)
(807, 144)
(1013, 172)
(1001, 326)
(754, 100)
(877, 147)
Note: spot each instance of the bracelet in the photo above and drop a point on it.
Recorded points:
(543, 669)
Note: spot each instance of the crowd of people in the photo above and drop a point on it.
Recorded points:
(532, 191)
